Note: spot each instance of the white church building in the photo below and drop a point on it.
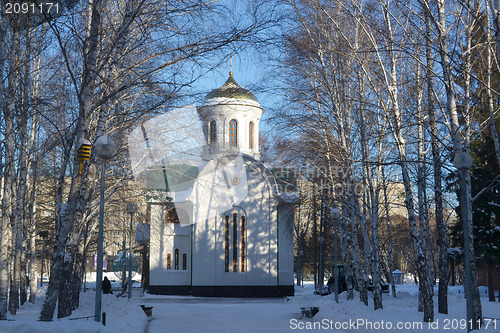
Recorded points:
(230, 232)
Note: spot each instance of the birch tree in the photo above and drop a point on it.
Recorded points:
(9, 173)
(491, 67)
(439, 21)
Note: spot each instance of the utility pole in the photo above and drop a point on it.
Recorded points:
(131, 209)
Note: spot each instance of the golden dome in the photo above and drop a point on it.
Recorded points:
(231, 89)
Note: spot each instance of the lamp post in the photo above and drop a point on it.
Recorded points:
(301, 255)
(335, 215)
(463, 161)
(44, 234)
(131, 209)
(104, 149)
(321, 240)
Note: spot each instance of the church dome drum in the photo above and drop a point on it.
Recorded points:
(231, 116)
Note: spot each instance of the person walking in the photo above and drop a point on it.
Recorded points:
(106, 286)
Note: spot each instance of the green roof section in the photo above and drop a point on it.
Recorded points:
(172, 178)
(231, 89)
(286, 179)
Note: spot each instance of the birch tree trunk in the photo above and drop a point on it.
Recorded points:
(366, 243)
(7, 178)
(495, 9)
(421, 188)
(436, 159)
(451, 107)
(35, 134)
(345, 237)
(71, 213)
(18, 287)
(442, 241)
(489, 88)
(357, 265)
(9, 183)
(372, 204)
(396, 125)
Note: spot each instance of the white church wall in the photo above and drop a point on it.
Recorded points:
(285, 225)
(261, 236)
(165, 239)
(156, 263)
(260, 241)
(205, 253)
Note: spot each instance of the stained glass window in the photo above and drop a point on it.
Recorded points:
(233, 133)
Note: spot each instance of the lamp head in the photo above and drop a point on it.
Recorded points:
(131, 208)
(104, 147)
(335, 213)
(463, 160)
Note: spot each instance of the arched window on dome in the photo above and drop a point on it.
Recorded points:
(212, 137)
(250, 135)
(233, 133)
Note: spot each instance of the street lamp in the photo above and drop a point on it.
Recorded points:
(104, 149)
(131, 209)
(463, 161)
(321, 240)
(335, 215)
(301, 255)
(44, 234)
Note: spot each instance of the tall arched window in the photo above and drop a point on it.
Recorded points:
(235, 242)
(250, 135)
(176, 267)
(226, 244)
(243, 249)
(212, 132)
(233, 133)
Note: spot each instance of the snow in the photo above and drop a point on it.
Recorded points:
(196, 314)
(26, 320)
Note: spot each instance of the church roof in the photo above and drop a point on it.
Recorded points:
(231, 89)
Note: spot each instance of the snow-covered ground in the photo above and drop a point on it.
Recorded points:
(195, 314)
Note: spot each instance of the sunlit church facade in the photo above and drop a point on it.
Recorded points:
(244, 251)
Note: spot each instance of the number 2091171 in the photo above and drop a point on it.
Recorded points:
(21, 7)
